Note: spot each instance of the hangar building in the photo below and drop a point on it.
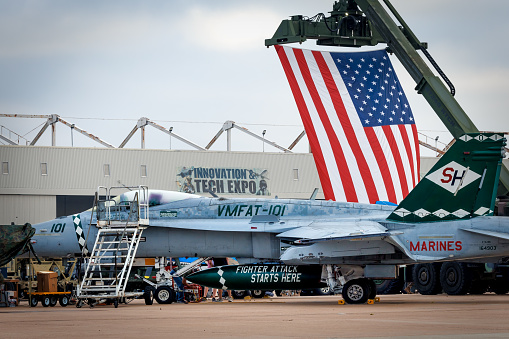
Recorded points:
(39, 183)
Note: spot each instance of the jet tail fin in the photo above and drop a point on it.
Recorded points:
(461, 185)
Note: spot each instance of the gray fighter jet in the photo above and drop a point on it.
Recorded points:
(447, 217)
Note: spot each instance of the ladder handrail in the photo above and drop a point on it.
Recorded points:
(110, 208)
(110, 248)
(124, 232)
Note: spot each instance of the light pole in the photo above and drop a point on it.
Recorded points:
(72, 139)
(263, 136)
(171, 129)
(436, 145)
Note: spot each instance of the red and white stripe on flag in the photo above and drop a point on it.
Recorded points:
(358, 122)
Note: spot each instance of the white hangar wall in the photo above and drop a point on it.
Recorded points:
(46, 174)
(41, 183)
(21, 208)
(75, 171)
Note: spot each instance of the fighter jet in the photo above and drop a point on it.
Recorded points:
(447, 216)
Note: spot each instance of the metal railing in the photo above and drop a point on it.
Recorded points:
(134, 209)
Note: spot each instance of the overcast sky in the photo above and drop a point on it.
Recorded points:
(195, 64)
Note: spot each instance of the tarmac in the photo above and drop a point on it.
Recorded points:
(395, 316)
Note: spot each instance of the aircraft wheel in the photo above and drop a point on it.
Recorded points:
(33, 301)
(372, 289)
(390, 286)
(148, 295)
(499, 286)
(427, 278)
(164, 295)
(46, 301)
(323, 291)
(53, 300)
(257, 293)
(239, 294)
(64, 300)
(356, 291)
(91, 302)
(316, 291)
(455, 278)
(478, 287)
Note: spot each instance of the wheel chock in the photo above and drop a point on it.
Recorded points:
(377, 299)
(248, 298)
(341, 302)
(371, 301)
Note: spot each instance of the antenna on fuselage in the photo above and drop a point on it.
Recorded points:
(120, 183)
(214, 195)
(313, 195)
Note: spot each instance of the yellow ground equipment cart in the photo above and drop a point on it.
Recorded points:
(49, 298)
(47, 291)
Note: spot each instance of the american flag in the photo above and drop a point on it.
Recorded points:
(358, 121)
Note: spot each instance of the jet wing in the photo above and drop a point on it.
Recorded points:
(488, 233)
(336, 230)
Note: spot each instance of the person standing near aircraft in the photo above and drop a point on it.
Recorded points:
(221, 262)
(210, 264)
(179, 281)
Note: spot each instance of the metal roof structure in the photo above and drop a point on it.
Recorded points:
(12, 138)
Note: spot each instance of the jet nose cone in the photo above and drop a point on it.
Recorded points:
(58, 225)
(43, 227)
(54, 237)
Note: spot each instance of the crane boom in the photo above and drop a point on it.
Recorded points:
(356, 23)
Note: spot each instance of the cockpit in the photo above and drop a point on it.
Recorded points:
(155, 197)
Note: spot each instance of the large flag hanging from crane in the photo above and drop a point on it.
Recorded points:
(358, 121)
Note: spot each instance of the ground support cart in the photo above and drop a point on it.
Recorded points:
(49, 298)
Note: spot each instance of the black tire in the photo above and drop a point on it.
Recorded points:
(306, 292)
(53, 300)
(323, 291)
(455, 278)
(478, 287)
(240, 294)
(148, 295)
(372, 289)
(63, 300)
(45, 301)
(427, 278)
(115, 302)
(499, 286)
(33, 301)
(356, 291)
(164, 295)
(390, 286)
(316, 291)
(257, 294)
(79, 304)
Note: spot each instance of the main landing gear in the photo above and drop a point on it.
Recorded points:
(359, 291)
(351, 281)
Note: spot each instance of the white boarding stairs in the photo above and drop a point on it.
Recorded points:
(120, 226)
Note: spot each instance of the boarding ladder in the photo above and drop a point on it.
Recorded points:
(120, 226)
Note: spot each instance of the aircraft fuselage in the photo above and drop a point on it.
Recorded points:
(248, 228)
